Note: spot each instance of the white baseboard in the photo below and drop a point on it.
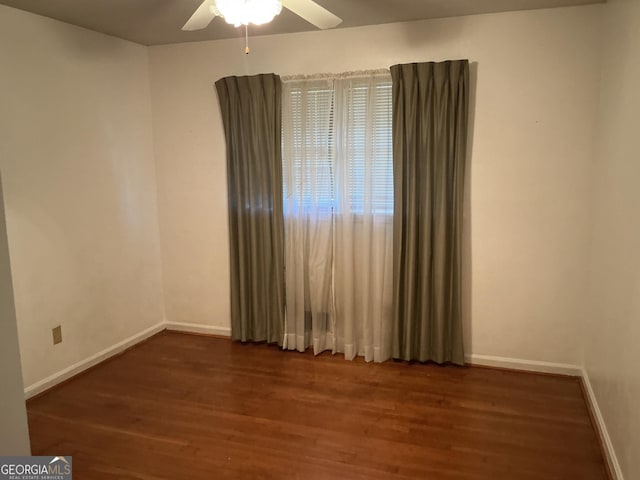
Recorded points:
(76, 368)
(609, 452)
(196, 328)
(524, 365)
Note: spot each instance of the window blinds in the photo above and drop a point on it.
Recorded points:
(337, 144)
(367, 151)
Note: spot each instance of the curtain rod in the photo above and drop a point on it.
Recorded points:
(329, 76)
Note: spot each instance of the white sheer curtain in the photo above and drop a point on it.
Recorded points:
(338, 207)
(308, 166)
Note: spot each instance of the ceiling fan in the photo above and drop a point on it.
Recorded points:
(243, 12)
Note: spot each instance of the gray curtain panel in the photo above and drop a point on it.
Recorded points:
(430, 115)
(251, 109)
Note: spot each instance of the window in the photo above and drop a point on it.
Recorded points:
(337, 145)
(310, 163)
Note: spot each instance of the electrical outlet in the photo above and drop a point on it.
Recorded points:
(57, 335)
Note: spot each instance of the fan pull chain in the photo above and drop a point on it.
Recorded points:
(246, 39)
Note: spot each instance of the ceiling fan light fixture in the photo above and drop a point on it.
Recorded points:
(244, 12)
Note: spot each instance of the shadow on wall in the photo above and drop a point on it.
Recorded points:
(80, 44)
(467, 270)
(440, 31)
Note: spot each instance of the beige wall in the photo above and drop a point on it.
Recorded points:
(14, 434)
(612, 350)
(530, 168)
(76, 155)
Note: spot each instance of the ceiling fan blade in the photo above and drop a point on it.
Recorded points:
(313, 13)
(201, 17)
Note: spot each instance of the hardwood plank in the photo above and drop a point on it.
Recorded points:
(184, 406)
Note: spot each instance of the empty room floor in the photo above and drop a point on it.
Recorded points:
(181, 406)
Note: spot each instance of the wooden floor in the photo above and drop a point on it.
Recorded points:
(192, 407)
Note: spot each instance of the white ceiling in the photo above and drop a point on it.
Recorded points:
(157, 22)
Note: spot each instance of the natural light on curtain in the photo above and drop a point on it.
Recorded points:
(338, 208)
